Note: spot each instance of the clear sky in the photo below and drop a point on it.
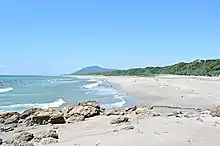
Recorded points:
(60, 36)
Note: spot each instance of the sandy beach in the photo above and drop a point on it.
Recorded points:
(162, 124)
(170, 90)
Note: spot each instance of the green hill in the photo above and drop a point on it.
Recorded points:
(198, 67)
(91, 70)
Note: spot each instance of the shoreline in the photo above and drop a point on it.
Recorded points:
(168, 90)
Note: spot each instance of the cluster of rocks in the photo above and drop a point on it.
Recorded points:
(30, 139)
(75, 113)
(40, 116)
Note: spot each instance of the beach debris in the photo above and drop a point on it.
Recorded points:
(156, 133)
(177, 114)
(156, 115)
(216, 112)
(128, 127)
(119, 120)
(98, 143)
(217, 125)
(199, 119)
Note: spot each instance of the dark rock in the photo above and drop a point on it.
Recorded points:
(52, 134)
(29, 112)
(13, 119)
(2, 121)
(129, 127)
(156, 115)
(57, 119)
(8, 128)
(115, 111)
(130, 109)
(90, 103)
(41, 119)
(119, 120)
(22, 143)
(46, 141)
(24, 136)
(0, 141)
(74, 119)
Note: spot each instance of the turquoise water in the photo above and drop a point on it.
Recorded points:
(18, 93)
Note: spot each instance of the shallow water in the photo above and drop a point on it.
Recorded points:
(18, 93)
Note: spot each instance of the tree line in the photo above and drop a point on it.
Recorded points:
(209, 67)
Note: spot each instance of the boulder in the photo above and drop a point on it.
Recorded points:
(46, 141)
(57, 119)
(1, 141)
(74, 119)
(119, 120)
(29, 112)
(41, 118)
(90, 103)
(13, 119)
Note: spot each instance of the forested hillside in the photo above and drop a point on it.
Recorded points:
(197, 67)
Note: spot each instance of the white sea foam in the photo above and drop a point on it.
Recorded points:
(56, 103)
(90, 86)
(116, 104)
(3, 90)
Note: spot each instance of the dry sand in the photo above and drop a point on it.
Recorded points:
(195, 92)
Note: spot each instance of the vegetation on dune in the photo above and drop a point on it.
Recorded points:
(197, 68)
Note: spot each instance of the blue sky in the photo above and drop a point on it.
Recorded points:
(54, 36)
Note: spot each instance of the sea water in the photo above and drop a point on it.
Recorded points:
(18, 93)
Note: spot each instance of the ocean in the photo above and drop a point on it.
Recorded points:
(18, 93)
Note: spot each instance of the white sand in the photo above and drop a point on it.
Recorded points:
(197, 92)
(157, 131)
